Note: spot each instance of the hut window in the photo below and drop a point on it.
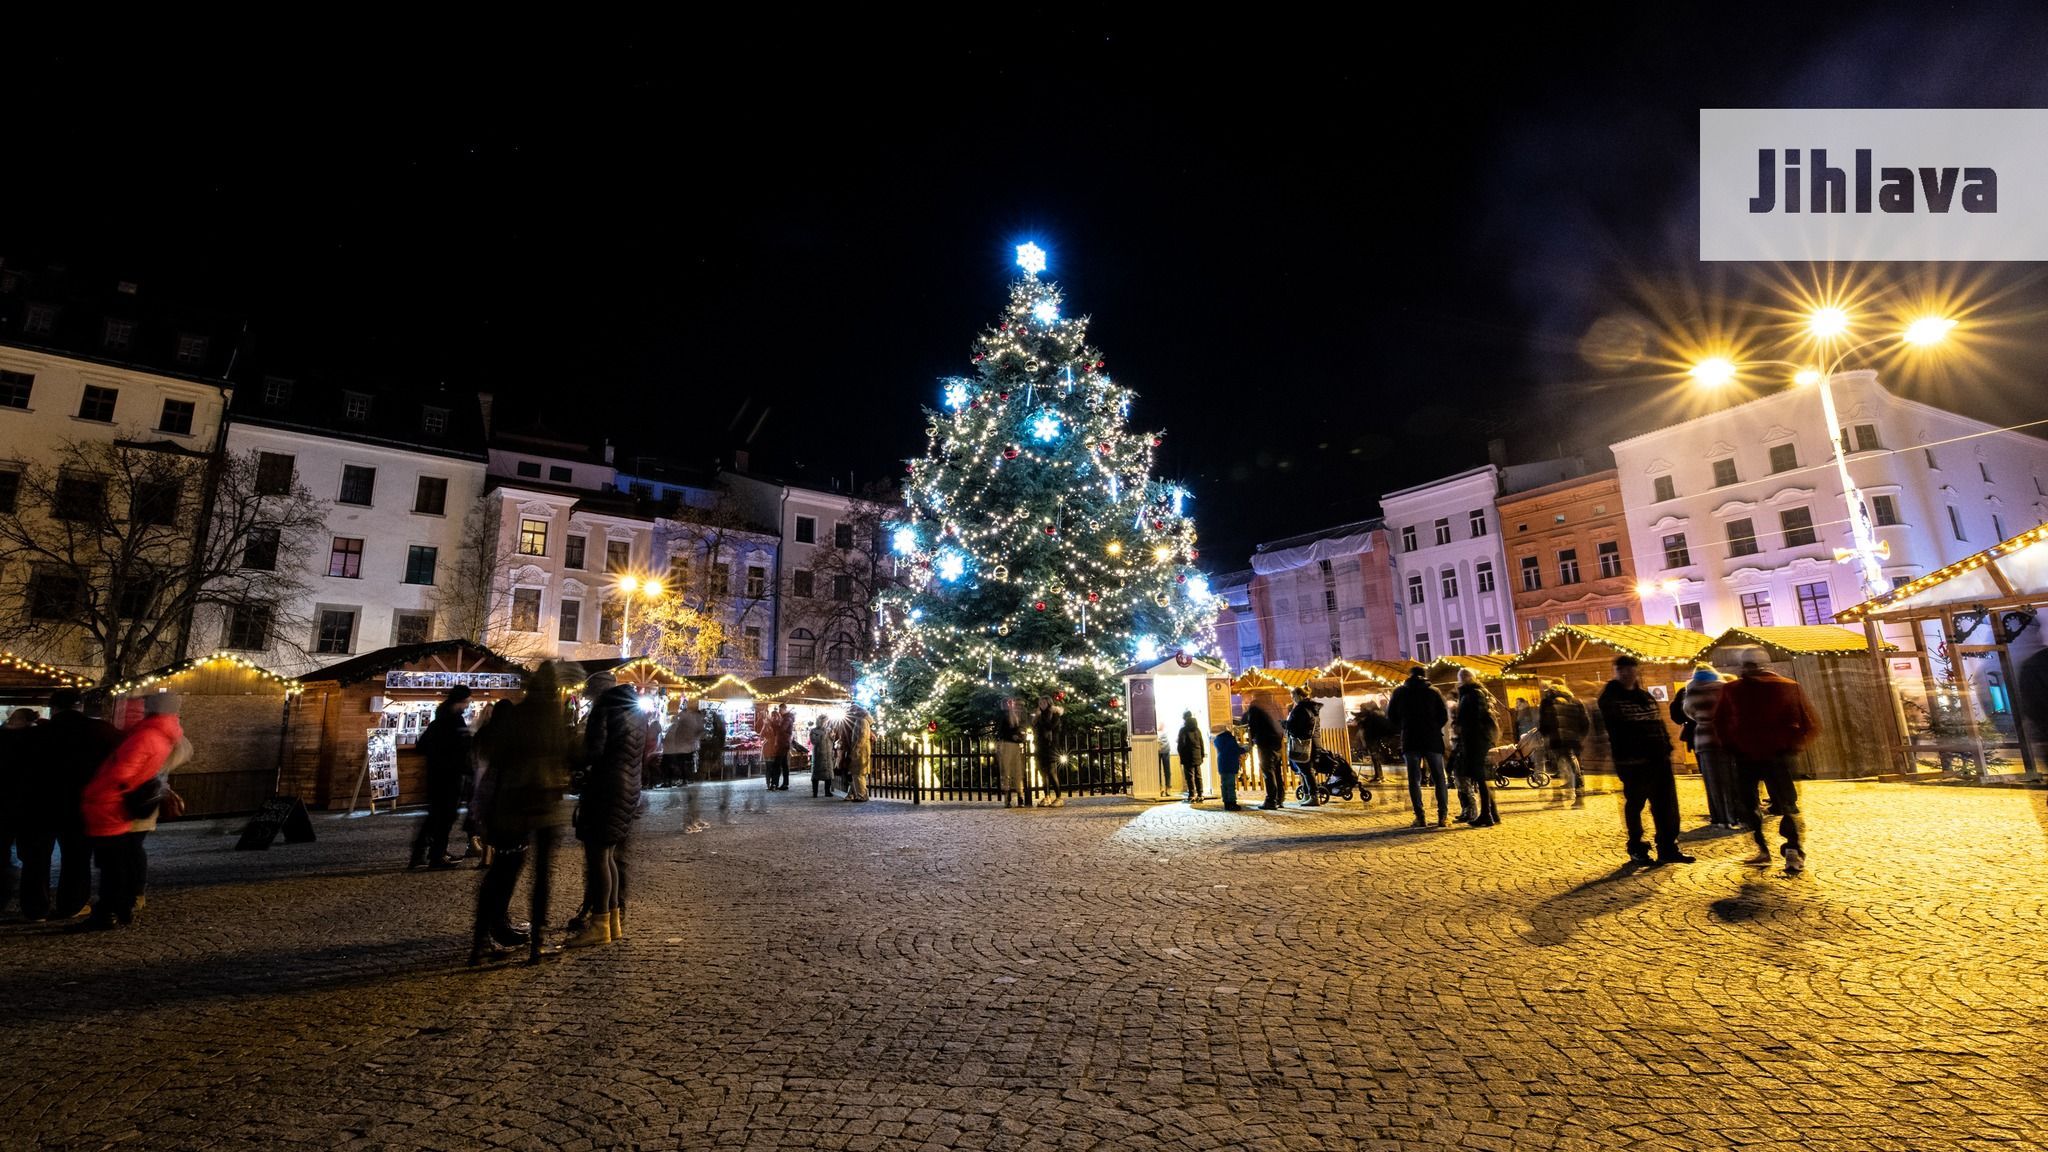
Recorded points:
(526, 610)
(248, 628)
(337, 632)
(1493, 641)
(1814, 607)
(533, 537)
(412, 628)
(1756, 609)
(1423, 651)
(1610, 559)
(572, 620)
(346, 558)
(1798, 526)
(358, 484)
(1742, 537)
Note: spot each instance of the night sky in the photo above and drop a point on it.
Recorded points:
(1332, 261)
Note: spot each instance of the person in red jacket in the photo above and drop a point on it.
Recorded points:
(150, 749)
(1765, 719)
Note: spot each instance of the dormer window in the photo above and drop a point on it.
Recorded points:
(191, 349)
(117, 335)
(39, 320)
(277, 391)
(355, 407)
(433, 421)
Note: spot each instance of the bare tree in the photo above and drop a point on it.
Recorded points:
(475, 602)
(118, 551)
(700, 623)
(835, 595)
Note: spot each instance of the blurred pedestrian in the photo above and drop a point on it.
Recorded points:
(1765, 720)
(120, 804)
(614, 739)
(63, 756)
(1269, 742)
(1193, 749)
(1045, 730)
(1010, 753)
(526, 752)
(822, 763)
(1641, 745)
(1697, 701)
(774, 751)
(680, 743)
(1301, 744)
(18, 740)
(1419, 714)
(1561, 720)
(1476, 728)
(1373, 731)
(711, 753)
(857, 733)
(1229, 761)
(446, 746)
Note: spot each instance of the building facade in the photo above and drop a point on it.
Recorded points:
(1568, 556)
(1737, 516)
(834, 559)
(1453, 590)
(1325, 595)
(1237, 627)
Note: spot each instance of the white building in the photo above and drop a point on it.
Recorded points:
(1452, 593)
(1742, 510)
(399, 472)
(830, 569)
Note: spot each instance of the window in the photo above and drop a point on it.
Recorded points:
(1784, 457)
(807, 529)
(1866, 438)
(1538, 625)
(136, 597)
(528, 468)
(156, 502)
(191, 348)
(757, 581)
(1479, 522)
(1493, 640)
(800, 583)
(1483, 574)
(1443, 531)
(1901, 581)
(15, 388)
(274, 473)
(1676, 554)
(839, 657)
(433, 421)
(1618, 615)
(117, 335)
(1663, 488)
(842, 535)
(1575, 618)
(611, 620)
(1955, 523)
(1457, 642)
(412, 627)
(248, 628)
(177, 417)
(1568, 566)
(259, 551)
(1813, 604)
(54, 593)
(80, 498)
(1997, 526)
(1423, 651)
(98, 403)
(430, 496)
(1931, 464)
(1610, 559)
(618, 555)
(572, 553)
(572, 620)
(679, 572)
(533, 537)
(277, 391)
(526, 610)
(10, 488)
(1742, 538)
(1408, 538)
(1884, 510)
(337, 632)
(721, 580)
(842, 587)
(355, 407)
(641, 490)
(1984, 471)
(1532, 574)
(1724, 473)
(1756, 609)
(1689, 616)
(561, 474)
(1448, 580)
(750, 642)
(1415, 588)
(803, 650)
(357, 484)
(345, 559)
(420, 560)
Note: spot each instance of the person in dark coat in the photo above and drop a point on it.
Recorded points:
(2033, 705)
(62, 757)
(18, 739)
(1193, 748)
(1268, 742)
(614, 739)
(518, 804)
(1561, 720)
(1766, 720)
(1373, 731)
(1045, 728)
(1476, 727)
(446, 746)
(1302, 723)
(1642, 758)
(1419, 714)
(1229, 758)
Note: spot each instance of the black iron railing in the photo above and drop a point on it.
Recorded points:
(917, 767)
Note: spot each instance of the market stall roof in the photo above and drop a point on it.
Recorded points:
(725, 686)
(2011, 571)
(439, 655)
(1657, 643)
(1273, 678)
(1484, 665)
(147, 679)
(1367, 673)
(1783, 640)
(813, 688)
(23, 679)
(638, 666)
(1171, 665)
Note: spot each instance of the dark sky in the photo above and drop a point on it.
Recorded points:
(1332, 260)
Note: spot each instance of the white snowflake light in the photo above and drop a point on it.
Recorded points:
(1147, 650)
(1046, 425)
(1046, 311)
(906, 540)
(1031, 258)
(956, 395)
(951, 565)
(1198, 588)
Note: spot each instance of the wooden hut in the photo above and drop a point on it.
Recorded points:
(645, 675)
(353, 727)
(235, 714)
(809, 697)
(1859, 735)
(1580, 657)
(1272, 688)
(734, 700)
(26, 683)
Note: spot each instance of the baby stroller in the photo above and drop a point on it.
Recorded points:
(1518, 761)
(1333, 778)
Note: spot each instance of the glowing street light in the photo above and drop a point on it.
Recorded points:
(1827, 323)
(1713, 372)
(1929, 330)
(629, 584)
(1807, 377)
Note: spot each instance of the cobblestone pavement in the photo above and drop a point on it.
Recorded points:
(1111, 975)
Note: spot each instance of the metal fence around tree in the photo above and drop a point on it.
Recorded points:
(919, 767)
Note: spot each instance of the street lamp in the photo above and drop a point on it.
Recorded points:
(629, 584)
(1648, 588)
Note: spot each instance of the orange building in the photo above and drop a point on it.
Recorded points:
(1568, 556)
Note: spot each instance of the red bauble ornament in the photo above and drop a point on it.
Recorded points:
(1059, 695)
(1039, 606)
(1002, 395)
(1092, 597)
(1099, 365)
(1158, 440)
(1051, 531)
(1116, 702)
(1102, 448)
(1192, 554)
(1181, 579)
(1010, 453)
(1157, 526)
(1005, 326)
(910, 467)
(932, 726)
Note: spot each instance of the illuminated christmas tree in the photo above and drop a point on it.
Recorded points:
(1041, 555)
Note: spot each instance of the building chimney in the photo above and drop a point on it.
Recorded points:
(739, 459)
(608, 451)
(1497, 453)
(483, 406)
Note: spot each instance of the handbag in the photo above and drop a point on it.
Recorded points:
(174, 804)
(138, 802)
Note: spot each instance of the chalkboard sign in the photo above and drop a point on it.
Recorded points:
(280, 813)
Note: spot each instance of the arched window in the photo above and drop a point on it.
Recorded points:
(803, 651)
(839, 657)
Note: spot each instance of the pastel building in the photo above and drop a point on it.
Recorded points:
(1322, 596)
(1452, 589)
(1568, 556)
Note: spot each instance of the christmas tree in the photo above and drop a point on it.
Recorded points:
(1041, 556)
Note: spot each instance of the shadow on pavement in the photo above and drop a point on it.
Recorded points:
(1285, 843)
(1556, 920)
(157, 981)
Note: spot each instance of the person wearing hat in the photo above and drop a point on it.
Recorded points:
(446, 745)
(1269, 742)
(1193, 747)
(1765, 720)
(1641, 745)
(1419, 714)
(120, 806)
(1696, 703)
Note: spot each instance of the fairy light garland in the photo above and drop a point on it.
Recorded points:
(63, 678)
(1922, 583)
(291, 686)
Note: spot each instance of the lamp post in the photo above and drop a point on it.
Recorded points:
(627, 586)
(1648, 588)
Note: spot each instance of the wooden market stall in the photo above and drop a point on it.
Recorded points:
(351, 733)
(736, 703)
(1508, 690)
(1580, 657)
(1859, 731)
(26, 683)
(235, 714)
(1358, 683)
(809, 697)
(1963, 633)
(1273, 688)
(653, 680)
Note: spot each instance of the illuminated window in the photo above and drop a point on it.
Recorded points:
(533, 537)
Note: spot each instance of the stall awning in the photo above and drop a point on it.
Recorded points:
(24, 679)
(2011, 571)
(1366, 675)
(812, 689)
(169, 671)
(1486, 666)
(1657, 643)
(1786, 640)
(436, 660)
(722, 687)
(636, 669)
(1288, 678)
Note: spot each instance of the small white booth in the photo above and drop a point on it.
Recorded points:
(1156, 696)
